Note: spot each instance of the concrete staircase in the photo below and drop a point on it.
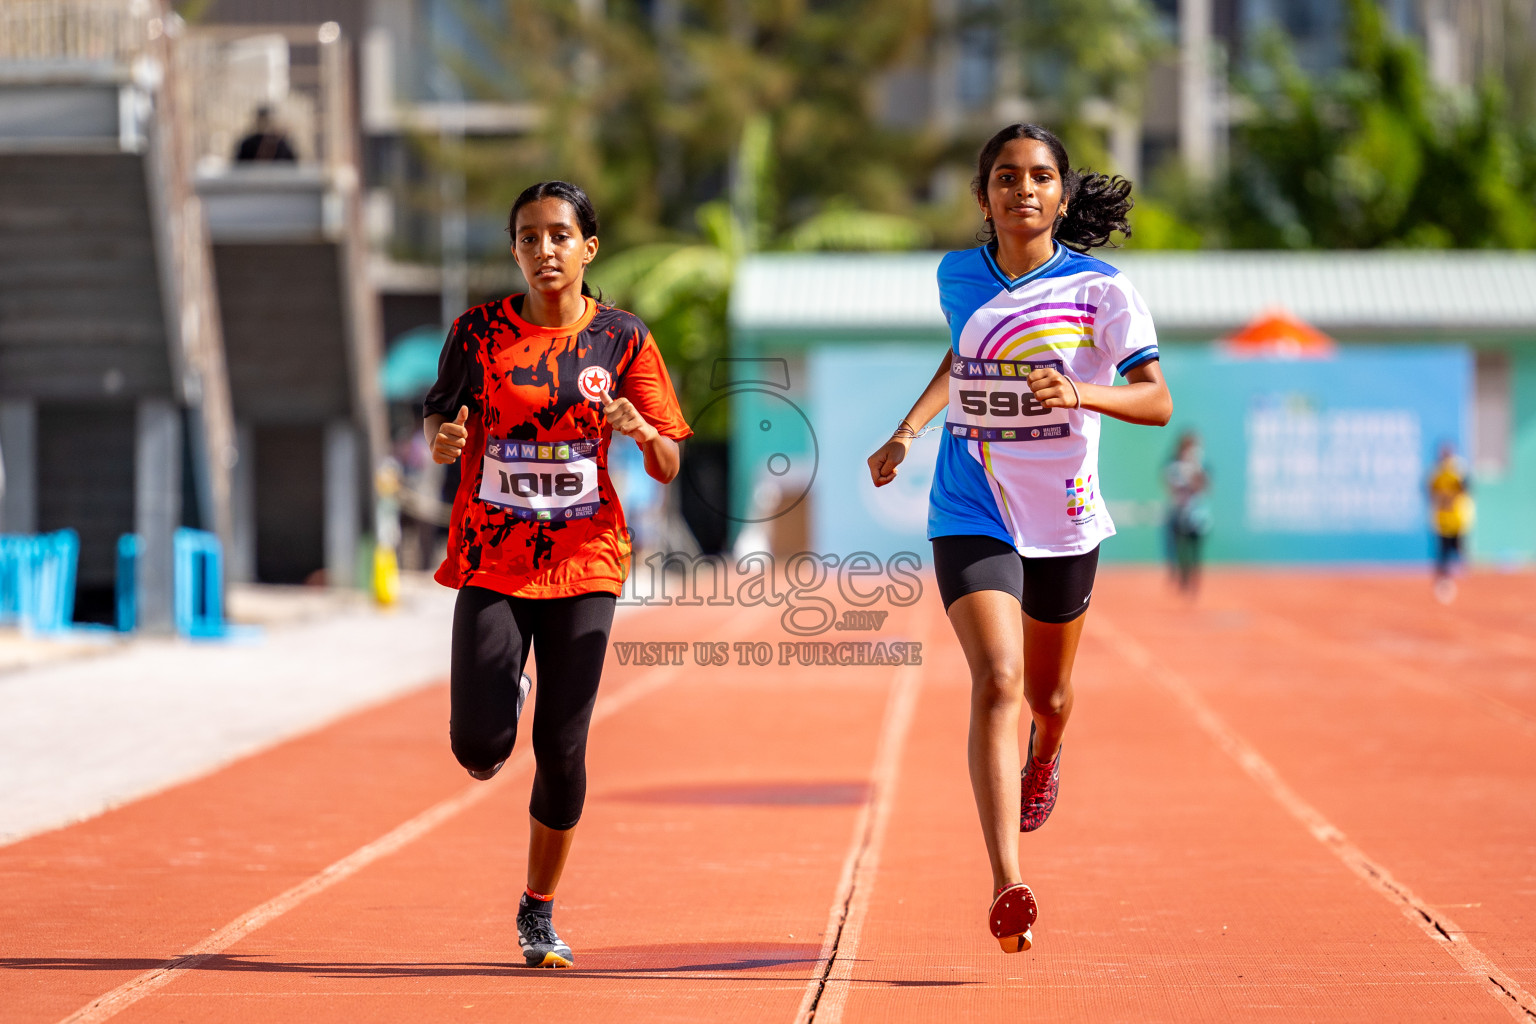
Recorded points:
(114, 405)
(81, 310)
(136, 394)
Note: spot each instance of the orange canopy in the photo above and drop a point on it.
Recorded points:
(1278, 334)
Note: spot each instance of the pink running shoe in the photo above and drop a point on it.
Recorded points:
(1038, 784)
(1012, 914)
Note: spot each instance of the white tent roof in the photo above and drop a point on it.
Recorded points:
(1207, 293)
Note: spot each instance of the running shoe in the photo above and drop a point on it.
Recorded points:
(536, 934)
(523, 686)
(1038, 784)
(1012, 914)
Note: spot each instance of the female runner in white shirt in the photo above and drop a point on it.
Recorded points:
(1016, 512)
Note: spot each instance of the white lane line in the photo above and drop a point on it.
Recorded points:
(827, 991)
(1430, 920)
(131, 991)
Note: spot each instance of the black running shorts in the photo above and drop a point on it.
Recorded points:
(1049, 589)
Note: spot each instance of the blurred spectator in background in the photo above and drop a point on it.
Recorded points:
(266, 141)
(1189, 517)
(643, 498)
(388, 483)
(1451, 513)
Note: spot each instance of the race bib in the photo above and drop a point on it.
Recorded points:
(989, 400)
(548, 482)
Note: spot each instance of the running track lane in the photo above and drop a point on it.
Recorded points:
(1180, 878)
(1422, 752)
(706, 788)
(1174, 885)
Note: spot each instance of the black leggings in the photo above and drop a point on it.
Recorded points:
(491, 636)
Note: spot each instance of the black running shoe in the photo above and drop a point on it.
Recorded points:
(522, 696)
(536, 934)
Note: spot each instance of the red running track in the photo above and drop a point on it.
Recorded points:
(1311, 798)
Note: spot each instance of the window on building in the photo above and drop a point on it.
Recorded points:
(976, 68)
(1315, 27)
(455, 32)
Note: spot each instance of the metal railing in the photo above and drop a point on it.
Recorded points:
(303, 74)
(298, 72)
(187, 257)
(69, 31)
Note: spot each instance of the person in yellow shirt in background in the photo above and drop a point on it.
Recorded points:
(1451, 513)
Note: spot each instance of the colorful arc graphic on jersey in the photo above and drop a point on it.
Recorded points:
(1062, 310)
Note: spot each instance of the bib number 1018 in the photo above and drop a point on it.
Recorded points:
(532, 485)
(1001, 404)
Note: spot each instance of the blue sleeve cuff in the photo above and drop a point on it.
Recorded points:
(1136, 358)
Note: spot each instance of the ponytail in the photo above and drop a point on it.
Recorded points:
(1097, 204)
(1097, 209)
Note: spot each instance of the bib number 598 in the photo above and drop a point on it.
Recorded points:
(532, 485)
(1001, 404)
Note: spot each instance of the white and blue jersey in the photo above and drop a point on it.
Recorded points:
(1008, 467)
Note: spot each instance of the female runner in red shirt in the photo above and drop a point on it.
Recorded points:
(530, 389)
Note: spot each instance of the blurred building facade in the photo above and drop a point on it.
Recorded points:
(186, 338)
(1313, 459)
(425, 72)
(115, 412)
(971, 76)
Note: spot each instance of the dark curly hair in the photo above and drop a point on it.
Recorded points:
(580, 203)
(1097, 204)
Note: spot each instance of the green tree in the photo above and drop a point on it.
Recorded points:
(645, 105)
(706, 129)
(682, 288)
(1376, 156)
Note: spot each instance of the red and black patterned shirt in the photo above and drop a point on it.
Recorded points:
(535, 514)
